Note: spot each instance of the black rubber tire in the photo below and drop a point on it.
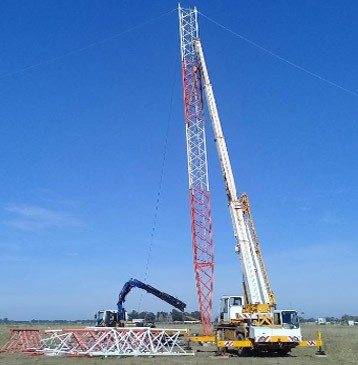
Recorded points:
(242, 351)
(283, 352)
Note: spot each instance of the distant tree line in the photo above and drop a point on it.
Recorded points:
(347, 318)
(328, 319)
(172, 316)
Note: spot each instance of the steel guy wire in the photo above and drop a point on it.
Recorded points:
(303, 69)
(88, 46)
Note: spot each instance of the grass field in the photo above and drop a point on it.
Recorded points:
(340, 344)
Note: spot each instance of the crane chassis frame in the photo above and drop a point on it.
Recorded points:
(275, 342)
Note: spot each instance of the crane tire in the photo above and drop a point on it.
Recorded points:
(242, 351)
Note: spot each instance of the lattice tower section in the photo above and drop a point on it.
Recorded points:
(202, 240)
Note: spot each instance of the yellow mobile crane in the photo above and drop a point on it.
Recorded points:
(249, 323)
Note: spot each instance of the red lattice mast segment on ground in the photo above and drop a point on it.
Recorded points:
(22, 340)
(202, 240)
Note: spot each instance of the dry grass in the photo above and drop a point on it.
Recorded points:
(340, 343)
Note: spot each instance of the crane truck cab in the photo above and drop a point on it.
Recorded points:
(286, 318)
(107, 318)
(230, 307)
(112, 318)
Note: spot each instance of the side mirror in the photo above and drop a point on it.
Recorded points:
(95, 316)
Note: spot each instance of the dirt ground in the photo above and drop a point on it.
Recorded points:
(340, 344)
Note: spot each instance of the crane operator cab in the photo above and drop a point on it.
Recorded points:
(107, 318)
(230, 306)
(286, 318)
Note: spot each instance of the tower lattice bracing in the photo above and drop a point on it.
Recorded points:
(202, 240)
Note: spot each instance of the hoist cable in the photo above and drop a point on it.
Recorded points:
(303, 69)
(159, 193)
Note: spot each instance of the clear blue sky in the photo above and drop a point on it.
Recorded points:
(90, 91)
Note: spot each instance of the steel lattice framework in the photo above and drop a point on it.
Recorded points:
(22, 340)
(103, 341)
(202, 240)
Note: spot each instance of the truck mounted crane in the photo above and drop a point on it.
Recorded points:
(118, 318)
(249, 322)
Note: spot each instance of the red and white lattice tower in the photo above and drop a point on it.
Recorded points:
(202, 240)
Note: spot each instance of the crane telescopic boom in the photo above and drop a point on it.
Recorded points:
(257, 286)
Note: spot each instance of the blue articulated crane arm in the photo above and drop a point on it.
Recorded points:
(175, 302)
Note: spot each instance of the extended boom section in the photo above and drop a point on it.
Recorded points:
(202, 240)
(256, 281)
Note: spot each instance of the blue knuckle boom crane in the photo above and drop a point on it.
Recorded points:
(117, 318)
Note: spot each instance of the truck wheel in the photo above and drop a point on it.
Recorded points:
(283, 352)
(242, 351)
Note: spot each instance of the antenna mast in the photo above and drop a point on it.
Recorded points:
(202, 240)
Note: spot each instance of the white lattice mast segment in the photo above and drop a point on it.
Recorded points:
(255, 278)
(105, 342)
(202, 241)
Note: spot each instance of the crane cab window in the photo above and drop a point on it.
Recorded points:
(235, 301)
(224, 305)
(290, 319)
(276, 318)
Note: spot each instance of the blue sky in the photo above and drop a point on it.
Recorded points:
(90, 93)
